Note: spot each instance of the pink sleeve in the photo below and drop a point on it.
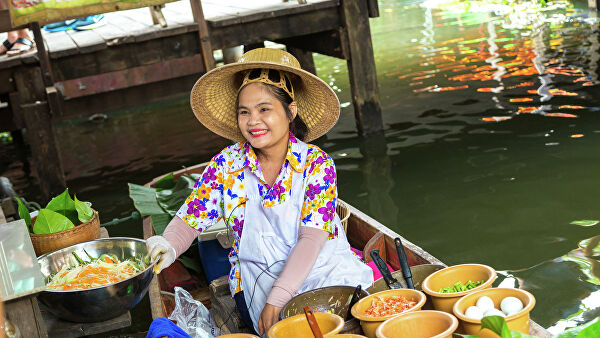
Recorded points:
(180, 235)
(298, 265)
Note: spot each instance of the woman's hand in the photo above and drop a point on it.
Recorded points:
(268, 317)
(161, 252)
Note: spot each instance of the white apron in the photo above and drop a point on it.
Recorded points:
(270, 233)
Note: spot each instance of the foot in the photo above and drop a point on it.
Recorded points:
(5, 47)
(20, 46)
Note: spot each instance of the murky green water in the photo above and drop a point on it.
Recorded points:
(492, 131)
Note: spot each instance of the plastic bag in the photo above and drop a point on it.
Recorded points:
(193, 317)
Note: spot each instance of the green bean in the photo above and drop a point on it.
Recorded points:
(459, 286)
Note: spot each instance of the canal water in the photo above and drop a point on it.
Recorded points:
(489, 155)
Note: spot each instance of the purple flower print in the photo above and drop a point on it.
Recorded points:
(329, 175)
(312, 190)
(293, 138)
(238, 225)
(277, 189)
(327, 211)
(209, 175)
(194, 208)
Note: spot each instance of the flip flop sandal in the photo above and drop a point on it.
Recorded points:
(28, 45)
(60, 26)
(7, 45)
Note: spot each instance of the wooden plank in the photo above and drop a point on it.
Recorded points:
(279, 10)
(60, 44)
(87, 41)
(131, 97)
(204, 35)
(25, 314)
(41, 134)
(274, 29)
(361, 67)
(328, 43)
(106, 82)
(7, 62)
(2, 217)
(65, 329)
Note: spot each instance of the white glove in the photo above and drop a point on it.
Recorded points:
(161, 252)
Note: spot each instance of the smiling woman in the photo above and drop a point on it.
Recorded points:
(276, 193)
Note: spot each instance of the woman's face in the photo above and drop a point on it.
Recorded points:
(262, 118)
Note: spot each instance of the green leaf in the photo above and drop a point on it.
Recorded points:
(48, 222)
(167, 182)
(84, 211)
(160, 222)
(172, 199)
(144, 200)
(24, 213)
(587, 330)
(497, 325)
(190, 263)
(64, 205)
(585, 222)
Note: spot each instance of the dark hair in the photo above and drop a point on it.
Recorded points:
(297, 126)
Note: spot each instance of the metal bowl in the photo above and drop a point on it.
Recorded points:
(333, 299)
(100, 303)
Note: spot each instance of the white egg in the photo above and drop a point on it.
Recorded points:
(493, 312)
(485, 303)
(473, 312)
(511, 305)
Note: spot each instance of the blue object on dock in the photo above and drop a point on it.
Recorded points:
(162, 327)
(214, 259)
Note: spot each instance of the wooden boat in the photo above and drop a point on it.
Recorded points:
(363, 232)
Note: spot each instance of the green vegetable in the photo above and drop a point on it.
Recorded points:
(459, 286)
(48, 222)
(84, 211)
(24, 213)
(64, 205)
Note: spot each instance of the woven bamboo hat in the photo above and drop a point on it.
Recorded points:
(214, 95)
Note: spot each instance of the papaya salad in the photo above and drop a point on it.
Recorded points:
(392, 305)
(104, 270)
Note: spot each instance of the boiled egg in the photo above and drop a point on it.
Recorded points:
(511, 305)
(485, 303)
(473, 312)
(493, 312)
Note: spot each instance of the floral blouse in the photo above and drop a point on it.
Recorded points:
(220, 193)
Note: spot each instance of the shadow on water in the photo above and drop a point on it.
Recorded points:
(490, 147)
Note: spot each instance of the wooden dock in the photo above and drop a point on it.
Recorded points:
(131, 61)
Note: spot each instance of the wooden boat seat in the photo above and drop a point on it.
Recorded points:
(223, 308)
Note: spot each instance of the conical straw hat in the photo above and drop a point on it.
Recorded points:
(214, 95)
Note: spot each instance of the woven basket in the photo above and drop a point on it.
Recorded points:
(343, 212)
(84, 232)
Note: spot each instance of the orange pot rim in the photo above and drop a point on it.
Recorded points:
(339, 326)
(447, 332)
(422, 299)
(460, 315)
(485, 285)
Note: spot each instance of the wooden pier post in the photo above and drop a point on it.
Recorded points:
(305, 58)
(35, 110)
(593, 5)
(361, 67)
